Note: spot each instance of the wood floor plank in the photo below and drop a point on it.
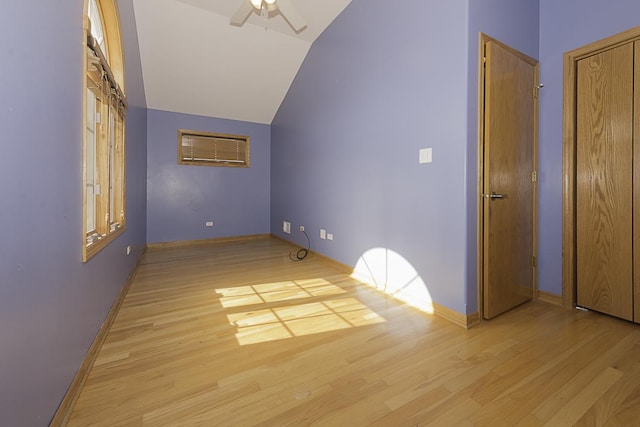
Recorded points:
(627, 414)
(235, 334)
(585, 369)
(572, 411)
(612, 401)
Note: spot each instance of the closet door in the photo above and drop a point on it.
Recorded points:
(604, 182)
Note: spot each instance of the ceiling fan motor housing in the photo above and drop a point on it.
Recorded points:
(270, 5)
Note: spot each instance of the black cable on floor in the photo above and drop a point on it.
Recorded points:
(302, 252)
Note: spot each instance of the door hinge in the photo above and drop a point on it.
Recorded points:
(534, 261)
(534, 177)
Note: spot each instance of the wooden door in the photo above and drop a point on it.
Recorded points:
(604, 181)
(510, 112)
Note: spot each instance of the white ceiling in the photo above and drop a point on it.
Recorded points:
(195, 62)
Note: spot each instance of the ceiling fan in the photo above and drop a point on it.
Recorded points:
(264, 7)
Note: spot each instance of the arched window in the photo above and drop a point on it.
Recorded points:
(97, 30)
(104, 137)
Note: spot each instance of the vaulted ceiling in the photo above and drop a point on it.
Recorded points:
(194, 61)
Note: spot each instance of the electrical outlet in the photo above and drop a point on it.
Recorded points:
(323, 233)
(128, 249)
(208, 224)
(329, 236)
(286, 227)
(302, 228)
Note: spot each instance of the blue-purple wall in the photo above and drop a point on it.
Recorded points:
(51, 304)
(565, 25)
(182, 198)
(378, 85)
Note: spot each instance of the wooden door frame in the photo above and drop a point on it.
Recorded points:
(483, 40)
(569, 106)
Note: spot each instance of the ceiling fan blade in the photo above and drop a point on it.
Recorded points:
(290, 13)
(242, 13)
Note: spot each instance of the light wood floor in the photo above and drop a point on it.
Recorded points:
(236, 334)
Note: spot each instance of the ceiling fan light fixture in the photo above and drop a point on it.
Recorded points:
(266, 8)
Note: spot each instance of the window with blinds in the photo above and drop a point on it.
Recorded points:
(212, 149)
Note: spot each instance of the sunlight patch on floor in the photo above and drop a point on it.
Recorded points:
(275, 292)
(265, 325)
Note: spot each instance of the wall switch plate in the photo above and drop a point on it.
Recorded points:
(286, 227)
(128, 249)
(426, 155)
(323, 233)
(329, 236)
(209, 224)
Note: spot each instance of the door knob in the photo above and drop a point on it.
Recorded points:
(495, 196)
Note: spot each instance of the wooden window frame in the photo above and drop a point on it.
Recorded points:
(103, 81)
(209, 157)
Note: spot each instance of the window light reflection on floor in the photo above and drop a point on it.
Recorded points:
(392, 274)
(275, 323)
(274, 292)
